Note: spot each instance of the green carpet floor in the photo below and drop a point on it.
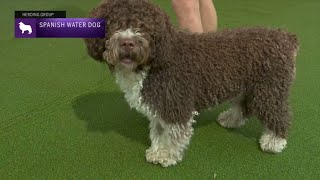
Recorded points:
(63, 117)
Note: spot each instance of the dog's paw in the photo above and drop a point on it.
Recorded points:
(269, 142)
(162, 157)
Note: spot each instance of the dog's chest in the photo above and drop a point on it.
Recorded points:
(131, 84)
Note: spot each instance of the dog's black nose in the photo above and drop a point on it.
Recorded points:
(127, 43)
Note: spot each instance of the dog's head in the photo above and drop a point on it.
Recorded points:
(128, 48)
(133, 27)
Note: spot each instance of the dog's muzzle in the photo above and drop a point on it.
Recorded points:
(127, 44)
(128, 50)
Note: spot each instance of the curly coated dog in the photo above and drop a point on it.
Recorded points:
(169, 75)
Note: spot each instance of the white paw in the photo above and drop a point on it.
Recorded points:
(232, 118)
(269, 142)
(162, 157)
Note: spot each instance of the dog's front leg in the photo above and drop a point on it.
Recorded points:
(168, 141)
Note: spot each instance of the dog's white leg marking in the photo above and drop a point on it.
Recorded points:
(232, 118)
(155, 133)
(168, 146)
(269, 142)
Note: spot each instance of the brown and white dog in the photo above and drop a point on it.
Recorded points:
(170, 75)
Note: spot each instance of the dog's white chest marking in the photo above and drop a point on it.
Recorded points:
(131, 84)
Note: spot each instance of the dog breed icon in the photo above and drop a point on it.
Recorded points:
(25, 27)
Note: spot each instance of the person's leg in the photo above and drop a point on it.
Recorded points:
(208, 14)
(188, 14)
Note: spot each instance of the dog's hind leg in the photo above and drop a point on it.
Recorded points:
(236, 116)
(168, 142)
(270, 105)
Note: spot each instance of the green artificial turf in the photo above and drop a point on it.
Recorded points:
(63, 117)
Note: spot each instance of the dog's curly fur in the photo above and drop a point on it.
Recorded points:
(253, 68)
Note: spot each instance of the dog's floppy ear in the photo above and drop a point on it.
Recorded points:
(96, 46)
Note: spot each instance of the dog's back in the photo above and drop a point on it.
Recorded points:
(222, 65)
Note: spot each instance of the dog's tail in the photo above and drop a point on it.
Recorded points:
(295, 42)
(290, 45)
(292, 42)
